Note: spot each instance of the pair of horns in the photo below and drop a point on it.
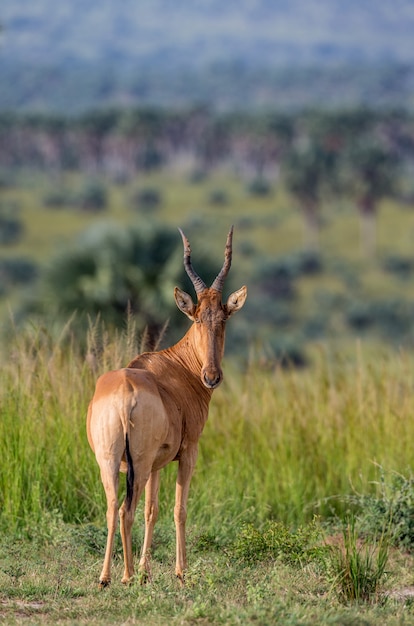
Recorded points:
(199, 284)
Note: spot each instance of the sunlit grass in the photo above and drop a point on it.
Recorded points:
(278, 444)
(279, 447)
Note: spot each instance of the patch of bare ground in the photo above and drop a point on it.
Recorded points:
(21, 608)
(403, 594)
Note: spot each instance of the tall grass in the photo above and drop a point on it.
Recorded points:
(292, 444)
(358, 570)
(278, 444)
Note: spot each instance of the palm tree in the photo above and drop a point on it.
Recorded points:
(307, 169)
(369, 171)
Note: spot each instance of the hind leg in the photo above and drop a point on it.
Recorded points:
(110, 480)
(126, 516)
(151, 514)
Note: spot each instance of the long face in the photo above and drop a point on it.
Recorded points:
(209, 332)
(209, 314)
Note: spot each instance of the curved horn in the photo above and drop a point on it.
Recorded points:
(199, 285)
(219, 280)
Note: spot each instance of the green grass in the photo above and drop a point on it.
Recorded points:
(279, 447)
(358, 570)
(281, 444)
(272, 224)
(55, 581)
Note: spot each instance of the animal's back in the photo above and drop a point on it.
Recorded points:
(127, 403)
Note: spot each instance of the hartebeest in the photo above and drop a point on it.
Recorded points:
(153, 412)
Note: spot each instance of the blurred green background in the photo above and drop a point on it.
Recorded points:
(294, 123)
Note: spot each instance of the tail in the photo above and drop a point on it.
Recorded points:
(130, 474)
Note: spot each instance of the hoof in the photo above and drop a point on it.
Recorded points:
(180, 578)
(126, 581)
(103, 584)
(144, 577)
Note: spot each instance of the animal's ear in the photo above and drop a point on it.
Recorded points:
(184, 303)
(236, 300)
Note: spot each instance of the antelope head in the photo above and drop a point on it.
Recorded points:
(209, 314)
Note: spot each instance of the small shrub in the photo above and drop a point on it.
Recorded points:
(218, 197)
(316, 326)
(287, 352)
(247, 248)
(391, 318)
(276, 541)
(11, 230)
(92, 197)
(206, 541)
(92, 537)
(58, 198)
(197, 177)
(393, 507)
(17, 270)
(308, 263)
(147, 199)
(275, 278)
(400, 266)
(259, 187)
(11, 227)
(360, 315)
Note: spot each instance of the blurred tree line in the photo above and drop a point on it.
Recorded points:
(121, 142)
(361, 154)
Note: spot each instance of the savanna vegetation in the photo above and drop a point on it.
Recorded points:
(289, 461)
(301, 508)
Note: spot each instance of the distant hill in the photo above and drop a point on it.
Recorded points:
(83, 53)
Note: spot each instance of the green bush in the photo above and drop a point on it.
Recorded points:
(59, 198)
(11, 226)
(92, 197)
(275, 278)
(259, 187)
(392, 509)
(391, 318)
(218, 197)
(400, 266)
(17, 270)
(360, 315)
(11, 230)
(274, 541)
(147, 199)
(287, 352)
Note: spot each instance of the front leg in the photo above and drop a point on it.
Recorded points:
(186, 466)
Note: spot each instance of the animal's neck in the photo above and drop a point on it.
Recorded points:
(185, 353)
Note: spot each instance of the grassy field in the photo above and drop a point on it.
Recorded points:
(289, 459)
(55, 584)
(269, 224)
(267, 228)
